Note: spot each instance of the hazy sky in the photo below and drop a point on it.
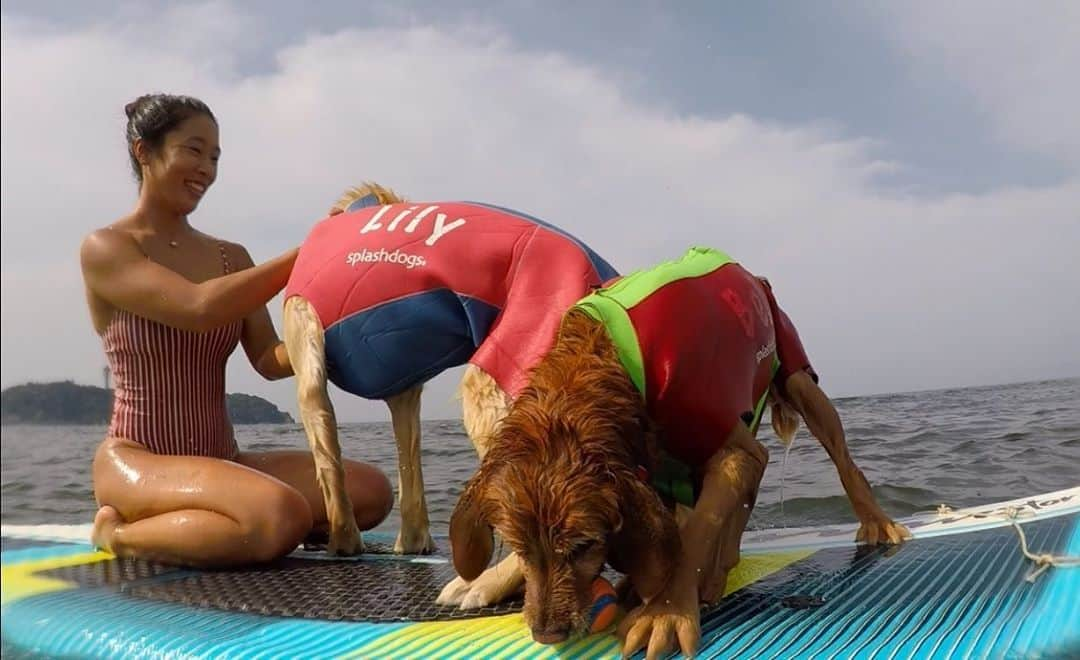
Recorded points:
(907, 177)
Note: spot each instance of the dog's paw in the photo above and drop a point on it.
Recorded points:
(453, 593)
(411, 542)
(881, 530)
(492, 586)
(479, 596)
(473, 595)
(345, 541)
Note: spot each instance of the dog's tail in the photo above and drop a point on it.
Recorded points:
(785, 421)
(367, 194)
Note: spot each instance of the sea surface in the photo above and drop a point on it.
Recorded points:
(957, 447)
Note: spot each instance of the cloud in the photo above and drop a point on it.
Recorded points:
(890, 291)
(1014, 60)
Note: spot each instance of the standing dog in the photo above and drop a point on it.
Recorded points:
(650, 397)
(386, 295)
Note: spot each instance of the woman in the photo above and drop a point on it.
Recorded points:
(171, 304)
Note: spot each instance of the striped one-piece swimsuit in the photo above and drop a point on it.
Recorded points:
(169, 384)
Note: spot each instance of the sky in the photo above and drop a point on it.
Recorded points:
(907, 175)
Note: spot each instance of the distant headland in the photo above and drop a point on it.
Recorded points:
(68, 403)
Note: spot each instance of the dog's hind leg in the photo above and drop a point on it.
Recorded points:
(415, 534)
(307, 353)
(483, 407)
(742, 467)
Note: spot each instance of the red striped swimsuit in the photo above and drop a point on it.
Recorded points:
(169, 385)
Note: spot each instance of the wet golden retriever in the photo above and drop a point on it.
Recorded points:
(566, 481)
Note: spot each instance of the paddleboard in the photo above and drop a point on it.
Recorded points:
(959, 589)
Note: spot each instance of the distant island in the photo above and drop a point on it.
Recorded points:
(68, 403)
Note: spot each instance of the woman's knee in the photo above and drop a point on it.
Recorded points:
(371, 493)
(108, 478)
(280, 523)
(105, 456)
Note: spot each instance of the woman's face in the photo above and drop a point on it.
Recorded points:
(184, 168)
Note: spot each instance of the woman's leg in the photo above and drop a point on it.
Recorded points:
(369, 489)
(192, 510)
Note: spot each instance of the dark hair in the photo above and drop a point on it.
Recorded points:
(152, 116)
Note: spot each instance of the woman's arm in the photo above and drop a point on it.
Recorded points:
(116, 270)
(264, 348)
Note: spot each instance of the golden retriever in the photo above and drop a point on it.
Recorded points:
(573, 477)
(387, 294)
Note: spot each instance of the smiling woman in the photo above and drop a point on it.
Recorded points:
(171, 304)
(192, 128)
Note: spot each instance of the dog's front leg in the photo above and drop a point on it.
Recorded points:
(415, 534)
(710, 535)
(305, 344)
(824, 422)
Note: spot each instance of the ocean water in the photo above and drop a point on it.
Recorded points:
(958, 447)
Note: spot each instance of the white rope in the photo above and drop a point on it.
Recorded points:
(1042, 560)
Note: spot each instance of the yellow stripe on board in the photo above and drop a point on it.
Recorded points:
(752, 568)
(20, 580)
(507, 636)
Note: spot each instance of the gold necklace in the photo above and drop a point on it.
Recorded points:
(173, 243)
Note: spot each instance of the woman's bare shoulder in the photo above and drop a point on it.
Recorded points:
(108, 242)
(237, 253)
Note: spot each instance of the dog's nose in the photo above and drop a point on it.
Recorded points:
(550, 636)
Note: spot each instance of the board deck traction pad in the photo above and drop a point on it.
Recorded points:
(956, 590)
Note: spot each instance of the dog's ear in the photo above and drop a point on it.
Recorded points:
(471, 538)
(647, 545)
